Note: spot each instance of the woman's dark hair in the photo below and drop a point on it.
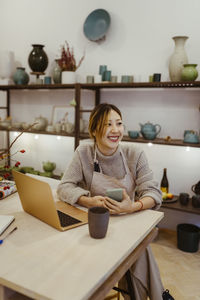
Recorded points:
(98, 118)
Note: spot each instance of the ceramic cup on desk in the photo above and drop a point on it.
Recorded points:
(184, 198)
(98, 219)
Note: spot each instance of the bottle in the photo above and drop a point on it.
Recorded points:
(164, 185)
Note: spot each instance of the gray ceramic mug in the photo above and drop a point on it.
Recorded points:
(98, 219)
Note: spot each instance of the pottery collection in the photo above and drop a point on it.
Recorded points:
(40, 123)
(189, 72)
(191, 136)
(178, 58)
(21, 76)
(150, 131)
(38, 60)
(57, 72)
(68, 77)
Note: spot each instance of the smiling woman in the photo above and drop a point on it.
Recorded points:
(105, 164)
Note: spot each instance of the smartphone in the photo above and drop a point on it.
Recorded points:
(115, 194)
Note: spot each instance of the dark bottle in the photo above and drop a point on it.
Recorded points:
(164, 185)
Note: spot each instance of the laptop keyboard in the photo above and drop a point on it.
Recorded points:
(66, 220)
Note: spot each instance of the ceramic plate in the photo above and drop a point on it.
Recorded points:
(96, 24)
(174, 199)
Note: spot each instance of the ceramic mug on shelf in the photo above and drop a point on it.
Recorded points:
(184, 198)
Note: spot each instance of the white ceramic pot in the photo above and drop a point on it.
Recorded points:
(68, 77)
(178, 58)
(7, 64)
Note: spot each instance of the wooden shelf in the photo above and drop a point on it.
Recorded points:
(184, 208)
(36, 86)
(158, 141)
(107, 85)
(62, 133)
(164, 84)
(96, 87)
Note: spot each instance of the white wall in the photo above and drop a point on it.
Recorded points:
(139, 42)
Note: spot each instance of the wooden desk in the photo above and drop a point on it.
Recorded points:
(43, 263)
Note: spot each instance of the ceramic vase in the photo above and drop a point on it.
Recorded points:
(38, 60)
(178, 58)
(189, 72)
(20, 76)
(56, 73)
(68, 77)
(7, 62)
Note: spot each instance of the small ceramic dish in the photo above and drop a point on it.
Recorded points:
(133, 134)
(96, 24)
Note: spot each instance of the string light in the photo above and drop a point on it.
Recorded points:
(15, 133)
(187, 148)
(36, 137)
(150, 144)
(58, 137)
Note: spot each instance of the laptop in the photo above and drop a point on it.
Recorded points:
(37, 200)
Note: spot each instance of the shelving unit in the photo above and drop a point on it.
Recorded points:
(178, 206)
(96, 88)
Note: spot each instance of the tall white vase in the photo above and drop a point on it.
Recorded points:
(7, 66)
(178, 58)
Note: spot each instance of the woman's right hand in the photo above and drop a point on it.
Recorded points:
(91, 201)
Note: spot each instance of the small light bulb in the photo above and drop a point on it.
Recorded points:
(150, 144)
(58, 137)
(187, 149)
(15, 133)
(36, 137)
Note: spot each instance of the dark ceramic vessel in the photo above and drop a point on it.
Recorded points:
(196, 201)
(98, 218)
(38, 60)
(196, 188)
(184, 198)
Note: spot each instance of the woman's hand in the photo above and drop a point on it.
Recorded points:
(92, 201)
(115, 207)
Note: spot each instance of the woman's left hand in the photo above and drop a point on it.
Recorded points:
(115, 207)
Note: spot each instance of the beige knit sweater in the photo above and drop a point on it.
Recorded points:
(77, 178)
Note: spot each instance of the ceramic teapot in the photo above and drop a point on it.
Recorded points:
(41, 123)
(196, 188)
(191, 136)
(49, 166)
(150, 131)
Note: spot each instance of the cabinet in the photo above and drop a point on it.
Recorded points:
(96, 89)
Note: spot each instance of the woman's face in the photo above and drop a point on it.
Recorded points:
(112, 135)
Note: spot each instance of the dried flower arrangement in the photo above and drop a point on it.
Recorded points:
(67, 61)
(5, 156)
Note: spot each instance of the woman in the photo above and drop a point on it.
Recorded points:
(106, 164)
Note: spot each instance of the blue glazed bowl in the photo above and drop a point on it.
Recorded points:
(96, 24)
(133, 134)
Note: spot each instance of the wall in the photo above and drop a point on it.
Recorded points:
(139, 42)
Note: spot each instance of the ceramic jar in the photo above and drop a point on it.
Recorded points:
(20, 76)
(57, 73)
(189, 72)
(68, 77)
(40, 123)
(38, 60)
(178, 58)
(7, 62)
